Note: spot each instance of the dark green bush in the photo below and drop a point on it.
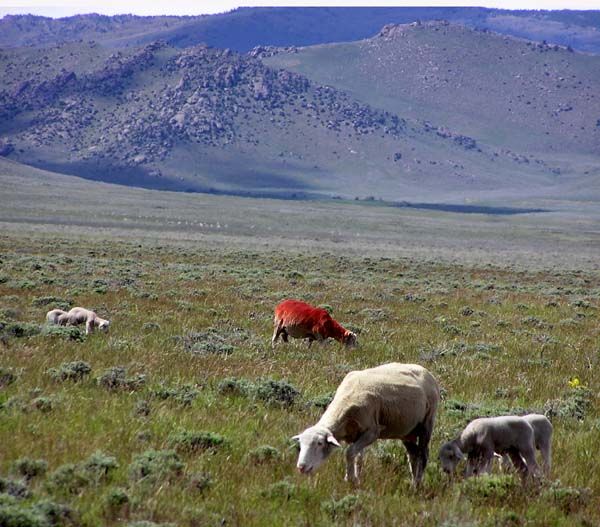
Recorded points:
(184, 394)
(278, 392)
(70, 371)
(99, 465)
(187, 441)
(30, 468)
(15, 488)
(65, 332)
(264, 454)
(155, 465)
(67, 479)
(116, 378)
(337, 509)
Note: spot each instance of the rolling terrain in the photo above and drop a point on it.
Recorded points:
(508, 92)
(475, 116)
(245, 28)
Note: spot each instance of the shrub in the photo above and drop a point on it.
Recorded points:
(280, 490)
(43, 404)
(67, 479)
(115, 499)
(116, 378)
(57, 303)
(339, 508)
(155, 465)
(234, 386)
(99, 464)
(19, 329)
(264, 454)
(184, 394)
(194, 441)
(71, 371)
(574, 404)
(206, 343)
(15, 488)
(146, 523)
(30, 468)
(278, 392)
(496, 488)
(65, 332)
(12, 515)
(322, 401)
(7, 376)
(55, 513)
(568, 499)
(201, 481)
(142, 408)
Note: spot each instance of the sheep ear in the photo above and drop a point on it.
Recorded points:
(296, 438)
(332, 440)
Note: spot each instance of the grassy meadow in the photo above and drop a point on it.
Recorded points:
(182, 413)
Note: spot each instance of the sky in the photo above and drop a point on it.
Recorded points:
(58, 8)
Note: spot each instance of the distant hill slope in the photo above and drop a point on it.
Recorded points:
(213, 120)
(506, 92)
(245, 28)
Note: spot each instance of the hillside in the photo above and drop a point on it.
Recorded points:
(213, 120)
(245, 28)
(512, 93)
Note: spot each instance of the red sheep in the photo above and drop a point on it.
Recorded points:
(300, 320)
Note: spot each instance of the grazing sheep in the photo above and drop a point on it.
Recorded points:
(542, 436)
(392, 401)
(80, 315)
(53, 316)
(301, 320)
(482, 437)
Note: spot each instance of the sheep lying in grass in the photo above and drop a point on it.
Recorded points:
(80, 315)
(392, 401)
(542, 436)
(52, 317)
(302, 321)
(510, 435)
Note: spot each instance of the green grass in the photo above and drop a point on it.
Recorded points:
(499, 339)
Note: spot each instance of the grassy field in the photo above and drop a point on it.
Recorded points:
(182, 413)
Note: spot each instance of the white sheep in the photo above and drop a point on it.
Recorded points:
(52, 317)
(542, 436)
(392, 401)
(511, 435)
(80, 315)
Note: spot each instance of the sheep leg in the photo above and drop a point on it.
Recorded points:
(528, 454)
(415, 461)
(546, 450)
(354, 450)
(278, 330)
(518, 463)
(505, 462)
(89, 327)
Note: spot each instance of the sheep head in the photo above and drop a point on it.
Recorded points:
(349, 339)
(450, 456)
(316, 444)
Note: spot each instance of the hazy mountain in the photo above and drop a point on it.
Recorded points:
(203, 118)
(420, 111)
(245, 28)
(511, 93)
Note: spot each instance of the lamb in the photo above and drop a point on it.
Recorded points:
(542, 436)
(80, 315)
(391, 401)
(301, 320)
(53, 316)
(511, 435)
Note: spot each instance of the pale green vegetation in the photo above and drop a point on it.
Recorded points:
(182, 414)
